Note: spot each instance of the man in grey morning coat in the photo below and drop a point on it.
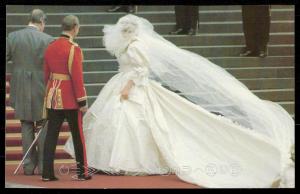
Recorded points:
(25, 49)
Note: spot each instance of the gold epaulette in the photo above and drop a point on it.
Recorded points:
(70, 59)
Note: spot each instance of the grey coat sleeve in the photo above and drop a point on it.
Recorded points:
(50, 39)
(8, 50)
(8, 55)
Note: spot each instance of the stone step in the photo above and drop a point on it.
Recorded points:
(98, 59)
(158, 16)
(263, 72)
(16, 149)
(14, 126)
(200, 39)
(165, 28)
(270, 61)
(225, 62)
(205, 51)
(9, 114)
(239, 73)
(269, 83)
(276, 95)
(289, 106)
(18, 155)
(258, 66)
(141, 8)
(15, 139)
(93, 89)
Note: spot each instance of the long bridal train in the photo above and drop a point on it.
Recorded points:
(156, 131)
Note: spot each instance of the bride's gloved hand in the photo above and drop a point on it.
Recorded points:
(125, 91)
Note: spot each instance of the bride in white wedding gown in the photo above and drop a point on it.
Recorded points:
(138, 127)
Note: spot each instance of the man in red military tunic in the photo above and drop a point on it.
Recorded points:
(65, 97)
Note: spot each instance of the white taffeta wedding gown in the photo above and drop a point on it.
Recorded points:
(156, 131)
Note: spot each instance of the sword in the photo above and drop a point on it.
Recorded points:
(33, 143)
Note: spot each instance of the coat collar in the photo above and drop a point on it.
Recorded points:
(65, 35)
(30, 26)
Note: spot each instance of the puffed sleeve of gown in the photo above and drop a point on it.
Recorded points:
(140, 62)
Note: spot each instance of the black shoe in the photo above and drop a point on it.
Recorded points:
(83, 178)
(263, 53)
(178, 31)
(192, 31)
(50, 179)
(115, 8)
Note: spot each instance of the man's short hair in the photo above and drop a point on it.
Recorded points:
(69, 22)
(37, 16)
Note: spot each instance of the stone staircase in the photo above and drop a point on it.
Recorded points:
(220, 38)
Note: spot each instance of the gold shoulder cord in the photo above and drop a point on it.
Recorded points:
(70, 63)
(70, 60)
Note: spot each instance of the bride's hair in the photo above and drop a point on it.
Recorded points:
(117, 37)
(128, 25)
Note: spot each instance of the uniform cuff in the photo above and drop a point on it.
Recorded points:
(82, 103)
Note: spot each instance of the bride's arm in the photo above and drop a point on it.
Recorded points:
(125, 91)
(139, 74)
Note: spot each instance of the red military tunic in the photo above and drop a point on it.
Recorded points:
(68, 92)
